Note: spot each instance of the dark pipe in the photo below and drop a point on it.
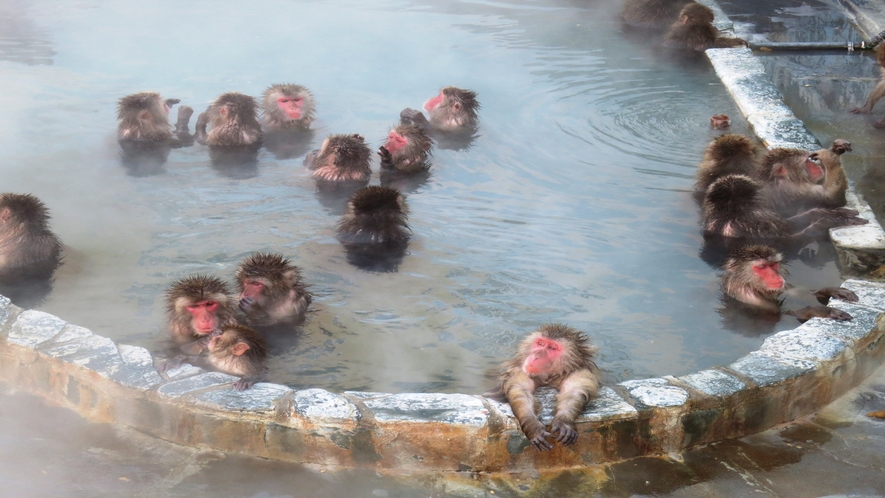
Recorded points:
(849, 46)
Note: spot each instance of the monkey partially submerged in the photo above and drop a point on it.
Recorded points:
(144, 117)
(406, 150)
(287, 107)
(559, 357)
(233, 122)
(729, 154)
(197, 306)
(795, 180)
(694, 30)
(651, 13)
(271, 291)
(453, 118)
(752, 276)
(29, 251)
(341, 158)
(374, 230)
(232, 349)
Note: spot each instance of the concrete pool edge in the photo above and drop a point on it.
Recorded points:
(793, 373)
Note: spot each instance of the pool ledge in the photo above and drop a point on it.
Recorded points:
(794, 373)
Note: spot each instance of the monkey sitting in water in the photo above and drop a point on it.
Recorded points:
(233, 349)
(556, 356)
(752, 276)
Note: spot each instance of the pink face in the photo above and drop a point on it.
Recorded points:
(290, 106)
(815, 172)
(204, 320)
(545, 353)
(434, 102)
(252, 288)
(769, 276)
(395, 142)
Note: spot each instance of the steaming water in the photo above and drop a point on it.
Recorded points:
(573, 204)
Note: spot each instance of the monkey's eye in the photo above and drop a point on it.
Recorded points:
(553, 346)
(774, 266)
(540, 343)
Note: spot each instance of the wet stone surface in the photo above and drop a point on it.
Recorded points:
(768, 369)
(429, 407)
(806, 342)
(259, 398)
(656, 392)
(34, 327)
(4, 311)
(862, 322)
(178, 388)
(714, 382)
(608, 405)
(869, 294)
(321, 405)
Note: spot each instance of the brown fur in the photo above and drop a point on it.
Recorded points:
(651, 13)
(283, 297)
(190, 290)
(788, 188)
(729, 154)
(575, 376)
(739, 281)
(28, 248)
(273, 118)
(226, 355)
(878, 91)
(341, 158)
(375, 215)
(413, 156)
(233, 122)
(733, 207)
(695, 31)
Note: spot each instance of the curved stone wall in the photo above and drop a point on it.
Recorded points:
(794, 373)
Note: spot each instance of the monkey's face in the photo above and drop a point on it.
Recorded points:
(395, 142)
(434, 102)
(254, 288)
(768, 275)
(291, 107)
(814, 168)
(544, 356)
(203, 318)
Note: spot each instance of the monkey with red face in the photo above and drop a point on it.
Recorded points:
(556, 356)
(454, 109)
(197, 306)
(285, 107)
(406, 150)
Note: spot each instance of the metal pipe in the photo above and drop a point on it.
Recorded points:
(849, 46)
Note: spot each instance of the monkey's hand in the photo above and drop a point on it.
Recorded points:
(170, 102)
(386, 156)
(172, 364)
(862, 110)
(540, 440)
(819, 311)
(311, 158)
(184, 117)
(823, 295)
(413, 117)
(567, 434)
(245, 383)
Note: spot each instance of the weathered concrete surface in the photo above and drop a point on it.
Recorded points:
(794, 373)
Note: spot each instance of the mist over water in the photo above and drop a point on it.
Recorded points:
(572, 204)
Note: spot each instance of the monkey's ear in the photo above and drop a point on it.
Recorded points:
(239, 348)
(144, 115)
(5, 215)
(779, 171)
(456, 106)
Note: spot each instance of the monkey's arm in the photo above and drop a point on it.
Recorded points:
(200, 131)
(815, 222)
(877, 93)
(820, 311)
(574, 393)
(182, 136)
(247, 382)
(824, 295)
(386, 157)
(519, 390)
(413, 117)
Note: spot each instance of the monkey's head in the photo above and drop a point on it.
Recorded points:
(22, 209)
(264, 275)
(555, 349)
(755, 267)
(237, 340)
(732, 193)
(454, 101)
(289, 103)
(198, 299)
(793, 165)
(235, 107)
(695, 13)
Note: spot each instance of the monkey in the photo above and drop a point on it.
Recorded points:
(651, 13)
(374, 229)
(556, 356)
(734, 207)
(233, 120)
(341, 158)
(835, 178)
(233, 349)
(752, 276)
(719, 121)
(406, 150)
(729, 154)
(796, 181)
(28, 248)
(453, 110)
(144, 117)
(287, 106)
(196, 306)
(878, 91)
(695, 31)
(271, 291)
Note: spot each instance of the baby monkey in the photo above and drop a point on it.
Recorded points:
(234, 350)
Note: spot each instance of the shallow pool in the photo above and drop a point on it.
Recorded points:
(573, 203)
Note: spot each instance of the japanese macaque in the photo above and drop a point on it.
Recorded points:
(374, 230)
(454, 109)
(233, 349)
(233, 121)
(287, 107)
(341, 158)
(719, 121)
(651, 13)
(197, 306)
(29, 251)
(878, 91)
(729, 154)
(694, 30)
(734, 207)
(556, 356)
(752, 276)
(406, 150)
(144, 117)
(835, 174)
(271, 291)
(796, 181)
